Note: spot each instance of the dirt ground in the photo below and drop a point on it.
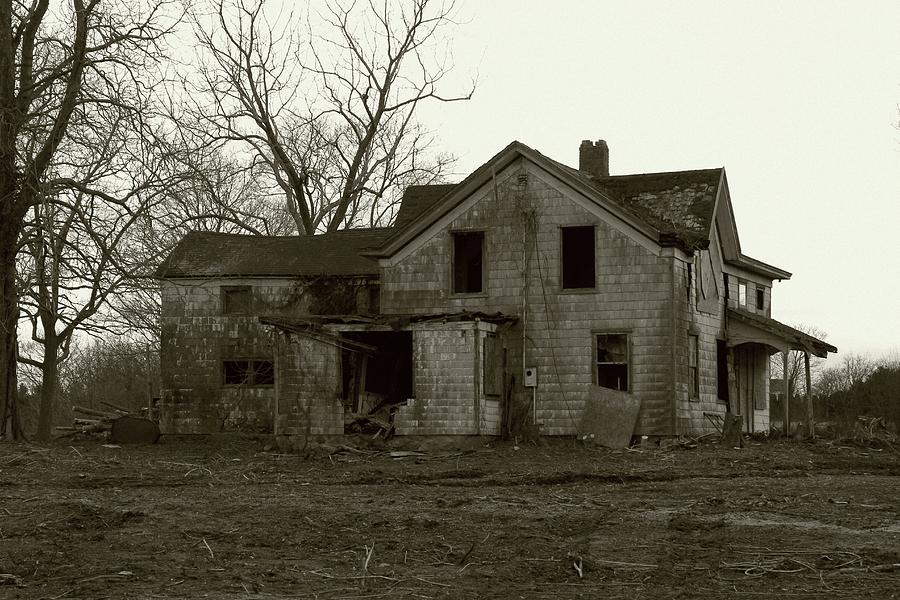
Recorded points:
(220, 518)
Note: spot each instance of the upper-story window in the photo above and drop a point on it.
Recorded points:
(237, 300)
(578, 258)
(760, 298)
(742, 293)
(468, 262)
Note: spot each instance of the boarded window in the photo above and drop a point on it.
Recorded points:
(612, 361)
(468, 262)
(578, 258)
(722, 370)
(742, 294)
(490, 350)
(760, 298)
(248, 372)
(237, 300)
(694, 366)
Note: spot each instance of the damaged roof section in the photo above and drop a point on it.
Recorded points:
(393, 321)
(205, 254)
(680, 205)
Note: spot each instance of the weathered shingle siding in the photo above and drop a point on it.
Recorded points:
(752, 365)
(449, 395)
(633, 295)
(709, 326)
(309, 386)
(196, 337)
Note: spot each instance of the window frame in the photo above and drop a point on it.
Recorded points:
(760, 298)
(562, 257)
(595, 362)
(742, 294)
(453, 262)
(694, 367)
(251, 370)
(226, 290)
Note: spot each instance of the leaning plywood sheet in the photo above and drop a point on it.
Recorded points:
(609, 417)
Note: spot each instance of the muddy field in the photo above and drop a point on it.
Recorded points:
(223, 519)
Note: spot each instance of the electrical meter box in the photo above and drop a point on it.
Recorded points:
(530, 376)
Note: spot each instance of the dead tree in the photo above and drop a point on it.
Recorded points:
(46, 60)
(330, 114)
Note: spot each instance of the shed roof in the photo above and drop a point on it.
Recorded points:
(744, 326)
(205, 254)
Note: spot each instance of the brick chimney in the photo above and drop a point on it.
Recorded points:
(593, 159)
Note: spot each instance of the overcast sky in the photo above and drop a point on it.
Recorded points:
(797, 100)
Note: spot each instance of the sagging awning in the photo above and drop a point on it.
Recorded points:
(743, 327)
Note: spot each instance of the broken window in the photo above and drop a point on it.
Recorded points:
(612, 360)
(248, 372)
(742, 293)
(578, 257)
(694, 365)
(468, 262)
(237, 300)
(493, 374)
(760, 298)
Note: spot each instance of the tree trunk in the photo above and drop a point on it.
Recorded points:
(9, 311)
(49, 388)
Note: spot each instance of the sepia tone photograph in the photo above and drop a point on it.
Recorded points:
(448, 299)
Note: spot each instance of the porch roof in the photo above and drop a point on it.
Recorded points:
(743, 327)
(398, 321)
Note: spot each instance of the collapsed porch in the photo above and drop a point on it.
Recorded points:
(416, 374)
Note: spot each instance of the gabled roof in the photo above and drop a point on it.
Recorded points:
(204, 254)
(674, 208)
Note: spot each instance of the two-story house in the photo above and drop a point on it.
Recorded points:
(512, 296)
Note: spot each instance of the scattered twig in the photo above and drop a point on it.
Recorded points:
(211, 555)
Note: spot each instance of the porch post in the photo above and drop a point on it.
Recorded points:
(787, 394)
(810, 422)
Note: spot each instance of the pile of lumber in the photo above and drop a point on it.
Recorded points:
(119, 423)
(92, 420)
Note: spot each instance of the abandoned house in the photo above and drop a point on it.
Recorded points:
(515, 298)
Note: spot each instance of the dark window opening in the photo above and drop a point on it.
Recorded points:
(612, 361)
(727, 293)
(468, 255)
(694, 366)
(248, 372)
(722, 370)
(237, 300)
(578, 256)
(760, 298)
(491, 359)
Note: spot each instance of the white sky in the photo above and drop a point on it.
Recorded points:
(797, 100)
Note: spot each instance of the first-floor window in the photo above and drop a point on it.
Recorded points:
(694, 365)
(248, 372)
(612, 360)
